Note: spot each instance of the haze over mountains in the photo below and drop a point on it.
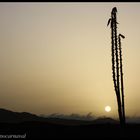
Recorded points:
(64, 126)
(15, 117)
(7, 116)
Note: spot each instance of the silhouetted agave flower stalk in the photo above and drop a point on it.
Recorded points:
(121, 75)
(117, 65)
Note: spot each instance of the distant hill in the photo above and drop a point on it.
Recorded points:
(7, 116)
(13, 117)
(36, 127)
(105, 120)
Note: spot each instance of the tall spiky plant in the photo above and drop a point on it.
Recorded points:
(115, 62)
(121, 74)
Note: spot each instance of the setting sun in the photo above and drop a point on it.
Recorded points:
(107, 108)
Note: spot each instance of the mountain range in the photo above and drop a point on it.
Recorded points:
(7, 116)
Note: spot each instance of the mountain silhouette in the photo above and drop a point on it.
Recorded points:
(36, 127)
(7, 116)
(105, 120)
(12, 117)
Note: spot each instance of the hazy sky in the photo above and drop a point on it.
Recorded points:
(56, 57)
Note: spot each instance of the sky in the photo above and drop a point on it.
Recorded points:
(56, 57)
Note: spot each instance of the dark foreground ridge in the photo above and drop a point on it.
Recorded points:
(35, 127)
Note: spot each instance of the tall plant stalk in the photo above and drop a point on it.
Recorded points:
(121, 74)
(117, 65)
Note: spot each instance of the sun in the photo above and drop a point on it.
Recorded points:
(107, 108)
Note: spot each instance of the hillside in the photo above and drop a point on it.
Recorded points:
(7, 116)
(36, 127)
